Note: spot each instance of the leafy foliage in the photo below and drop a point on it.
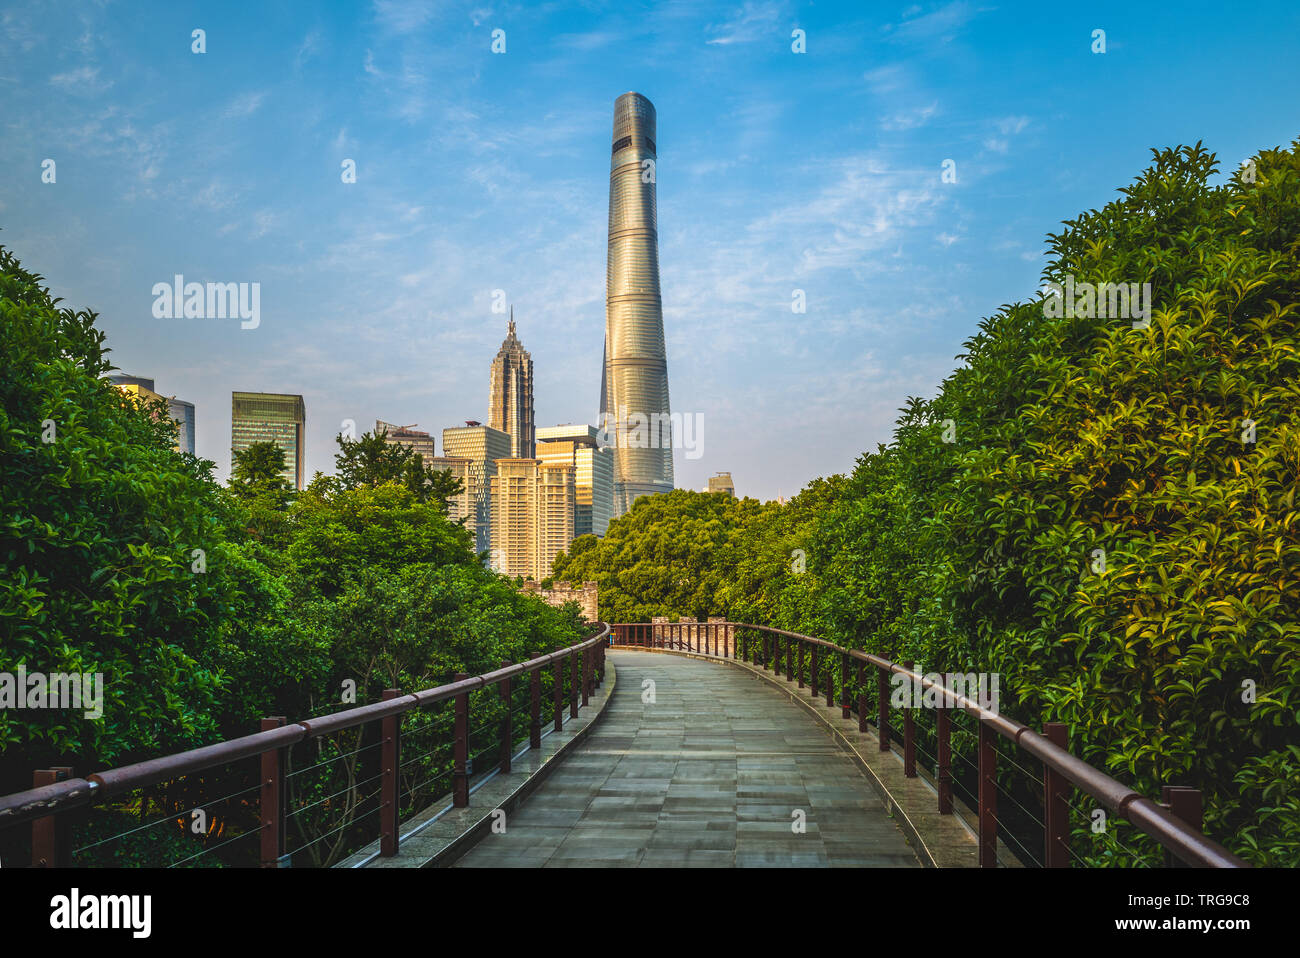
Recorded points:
(1102, 514)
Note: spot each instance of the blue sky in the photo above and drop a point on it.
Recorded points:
(479, 171)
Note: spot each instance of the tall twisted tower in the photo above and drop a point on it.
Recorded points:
(634, 386)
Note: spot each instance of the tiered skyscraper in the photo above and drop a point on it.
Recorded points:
(511, 402)
(634, 384)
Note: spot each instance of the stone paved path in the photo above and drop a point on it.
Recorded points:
(708, 775)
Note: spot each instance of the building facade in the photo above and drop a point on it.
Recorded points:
(461, 506)
(280, 418)
(408, 436)
(482, 446)
(180, 411)
(532, 516)
(511, 388)
(579, 446)
(721, 482)
(634, 383)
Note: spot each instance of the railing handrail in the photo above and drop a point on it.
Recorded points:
(1169, 830)
(44, 800)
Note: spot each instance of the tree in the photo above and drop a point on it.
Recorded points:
(258, 472)
(112, 559)
(372, 461)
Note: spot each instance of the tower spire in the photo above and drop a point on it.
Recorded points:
(512, 318)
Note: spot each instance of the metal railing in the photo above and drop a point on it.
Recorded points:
(58, 792)
(1175, 824)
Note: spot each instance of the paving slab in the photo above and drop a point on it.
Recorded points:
(718, 770)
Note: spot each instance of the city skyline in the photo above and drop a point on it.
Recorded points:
(476, 172)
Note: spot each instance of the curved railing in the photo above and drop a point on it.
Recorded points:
(58, 792)
(1175, 825)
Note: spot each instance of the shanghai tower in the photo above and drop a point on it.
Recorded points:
(634, 385)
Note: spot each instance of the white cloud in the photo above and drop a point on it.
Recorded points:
(83, 80)
(909, 119)
(752, 22)
(246, 104)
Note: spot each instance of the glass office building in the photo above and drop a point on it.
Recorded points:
(578, 446)
(280, 418)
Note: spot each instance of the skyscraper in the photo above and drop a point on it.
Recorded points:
(634, 384)
(511, 402)
(482, 446)
(579, 447)
(532, 515)
(280, 418)
(180, 411)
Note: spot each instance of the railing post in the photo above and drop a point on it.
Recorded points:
(50, 834)
(790, 644)
(507, 723)
(909, 728)
(830, 681)
(1056, 850)
(816, 670)
(573, 685)
(271, 799)
(988, 798)
(559, 694)
(882, 707)
(1184, 803)
(943, 751)
(535, 708)
(845, 711)
(586, 677)
(459, 781)
(862, 697)
(390, 805)
(798, 662)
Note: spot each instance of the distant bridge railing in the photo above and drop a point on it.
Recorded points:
(58, 795)
(1175, 824)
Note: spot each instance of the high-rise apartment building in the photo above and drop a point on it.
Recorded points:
(511, 387)
(634, 384)
(532, 515)
(482, 446)
(407, 436)
(180, 411)
(280, 418)
(721, 482)
(579, 446)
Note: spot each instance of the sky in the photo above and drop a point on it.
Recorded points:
(475, 171)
